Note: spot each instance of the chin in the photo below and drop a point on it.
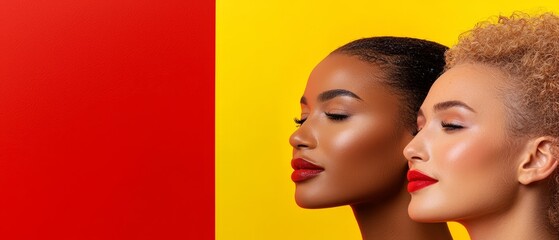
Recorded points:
(307, 205)
(424, 215)
(312, 203)
(314, 200)
(425, 218)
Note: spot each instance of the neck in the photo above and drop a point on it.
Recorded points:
(526, 219)
(388, 219)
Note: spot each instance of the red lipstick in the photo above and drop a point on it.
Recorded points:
(304, 170)
(418, 180)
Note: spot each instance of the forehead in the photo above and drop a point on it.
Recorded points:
(477, 85)
(341, 71)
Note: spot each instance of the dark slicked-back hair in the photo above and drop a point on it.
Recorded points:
(410, 66)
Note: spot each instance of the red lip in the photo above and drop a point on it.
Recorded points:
(304, 170)
(418, 180)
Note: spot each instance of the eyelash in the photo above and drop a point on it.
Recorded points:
(299, 122)
(446, 126)
(451, 126)
(336, 117)
(332, 116)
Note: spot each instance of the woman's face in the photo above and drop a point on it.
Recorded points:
(463, 146)
(349, 148)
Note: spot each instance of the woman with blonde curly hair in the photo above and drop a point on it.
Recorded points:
(486, 153)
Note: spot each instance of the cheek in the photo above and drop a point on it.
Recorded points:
(460, 154)
(475, 161)
(464, 157)
(344, 151)
(364, 149)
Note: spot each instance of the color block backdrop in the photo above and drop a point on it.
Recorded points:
(107, 111)
(106, 119)
(265, 51)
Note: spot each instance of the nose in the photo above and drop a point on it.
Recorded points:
(303, 137)
(416, 149)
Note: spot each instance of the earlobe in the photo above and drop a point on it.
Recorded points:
(540, 162)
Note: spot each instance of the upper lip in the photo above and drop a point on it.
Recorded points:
(300, 163)
(414, 175)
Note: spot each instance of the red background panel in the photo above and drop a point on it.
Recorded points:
(106, 119)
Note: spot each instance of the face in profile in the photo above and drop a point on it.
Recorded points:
(348, 147)
(463, 160)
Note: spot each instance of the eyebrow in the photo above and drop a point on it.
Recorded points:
(450, 104)
(330, 94)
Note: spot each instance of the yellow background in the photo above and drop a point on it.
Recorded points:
(265, 51)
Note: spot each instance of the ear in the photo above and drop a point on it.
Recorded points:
(539, 163)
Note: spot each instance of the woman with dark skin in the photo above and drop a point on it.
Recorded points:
(357, 115)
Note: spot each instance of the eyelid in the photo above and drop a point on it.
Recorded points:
(336, 116)
(299, 121)
(420, 123)
(451, 126)
(416, 131)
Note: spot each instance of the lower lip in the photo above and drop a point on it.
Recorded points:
(417, 185)
(304, 174)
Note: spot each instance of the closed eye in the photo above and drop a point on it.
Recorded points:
(299, 122)
(451, 126)
(336, 117)
(415, 132)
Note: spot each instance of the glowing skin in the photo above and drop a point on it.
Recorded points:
(464, 143)
(351, 130)
(348, 150)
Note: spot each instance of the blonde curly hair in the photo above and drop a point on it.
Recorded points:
(526, 49)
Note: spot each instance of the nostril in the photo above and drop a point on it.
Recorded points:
(302, 146)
